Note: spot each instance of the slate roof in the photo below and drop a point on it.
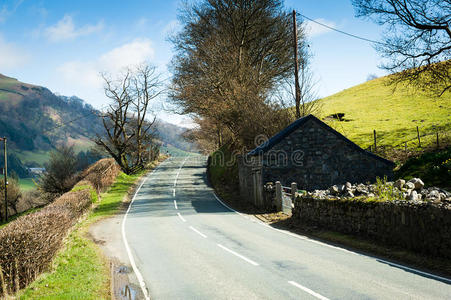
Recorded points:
(274, 140)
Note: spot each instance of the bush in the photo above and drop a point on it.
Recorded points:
(32, 199)
(28, 245)
(101, 174)
(14, 195)
(59, 176)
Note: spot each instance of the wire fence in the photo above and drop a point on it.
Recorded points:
(413, 146)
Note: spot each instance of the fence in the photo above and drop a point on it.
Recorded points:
(284, 197)
(416, 145)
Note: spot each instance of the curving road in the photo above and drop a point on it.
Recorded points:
(184, 244)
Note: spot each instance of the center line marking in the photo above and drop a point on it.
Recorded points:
(181, 218)
(198, 232)
(175, 204)
(239, 255)
(173, 192)
(308, 290)
(178, 173)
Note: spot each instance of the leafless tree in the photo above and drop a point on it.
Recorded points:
(128, 135)
(417, 42)
(231, 56)
(147, 86)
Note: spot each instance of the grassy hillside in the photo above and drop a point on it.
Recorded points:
(35, 121)
(394, 115)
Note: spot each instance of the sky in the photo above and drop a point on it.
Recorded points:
(64, 45)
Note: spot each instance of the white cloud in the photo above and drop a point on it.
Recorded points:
(136, 52)
(66, 30)
(86, 74)
(11, 56)
(314, 29)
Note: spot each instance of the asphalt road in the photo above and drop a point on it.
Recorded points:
(185, 244)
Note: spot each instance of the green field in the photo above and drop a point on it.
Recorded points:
(394, 114)
(26, 184)
(39, 157)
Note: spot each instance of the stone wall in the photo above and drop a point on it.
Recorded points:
(422, 227)
(316, 157)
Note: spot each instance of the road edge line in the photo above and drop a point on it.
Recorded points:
(406, 268)
(127, 247)
(307, 290)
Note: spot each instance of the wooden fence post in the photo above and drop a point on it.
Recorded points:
(375, 145)
(418, 136)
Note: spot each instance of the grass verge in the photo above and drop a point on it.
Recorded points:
(80, 271)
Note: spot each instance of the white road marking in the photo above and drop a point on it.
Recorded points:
(181, 218)
(173, 192)
(198, 232)
(239, 255)
(314, 294)
(178, 172)
(447, 280)
(127, 247)
(175, 204)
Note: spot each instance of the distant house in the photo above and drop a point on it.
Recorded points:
(313, 155)
(36, 171)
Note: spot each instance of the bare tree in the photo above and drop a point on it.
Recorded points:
(417, 42)
(59, 176)
(128, 136)
(231, 56)
(147, 86)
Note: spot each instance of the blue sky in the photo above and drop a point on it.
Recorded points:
(63, 45)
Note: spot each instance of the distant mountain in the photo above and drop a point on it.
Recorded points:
(35, 121)
(172, 135)
(32, 117)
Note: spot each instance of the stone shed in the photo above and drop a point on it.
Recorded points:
(312, 154)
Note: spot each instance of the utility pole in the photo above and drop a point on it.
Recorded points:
(5, 178)
(296, 67)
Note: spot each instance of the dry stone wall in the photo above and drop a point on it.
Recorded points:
(420, 226)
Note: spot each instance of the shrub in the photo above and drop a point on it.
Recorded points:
(385, 191)
(32, 199)
(59, 176)
(14, 195)
(101, 174)
(28, 245)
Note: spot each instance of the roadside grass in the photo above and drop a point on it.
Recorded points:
(394, 114)
(80, 271)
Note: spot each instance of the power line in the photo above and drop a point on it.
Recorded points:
(343, 32)
(93, 112)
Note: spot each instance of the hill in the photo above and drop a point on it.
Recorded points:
(394, 114)
(35, 121)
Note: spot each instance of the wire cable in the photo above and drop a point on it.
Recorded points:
(343, 32)
(92, 112)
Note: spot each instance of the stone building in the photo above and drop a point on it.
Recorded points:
(313, 155)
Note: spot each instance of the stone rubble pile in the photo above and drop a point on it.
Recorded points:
(412, 190)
